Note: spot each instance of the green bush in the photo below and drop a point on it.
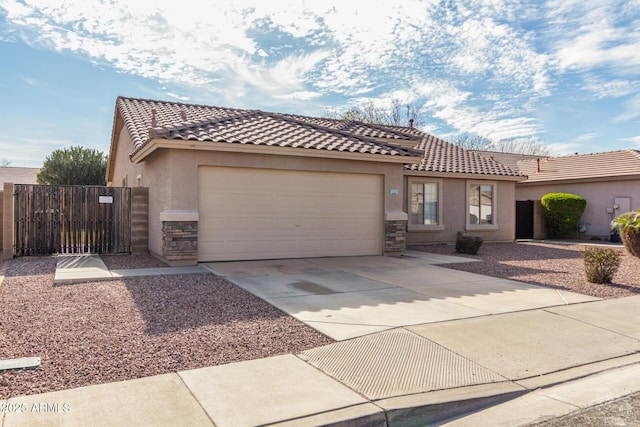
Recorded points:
(600, 264)
(468, 244)
(628, 225)
(563, 212)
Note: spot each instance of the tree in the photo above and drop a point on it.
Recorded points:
(74, 166)
(515, 146)
(368, 112)
(4, 162)
(473, 142)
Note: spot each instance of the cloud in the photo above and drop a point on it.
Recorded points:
(563, 148)
(634, 139)
(631, 109)
(476, 66)
(586, 137)
(611, 88)
(32, 152)
(595, 34)
(179, 97)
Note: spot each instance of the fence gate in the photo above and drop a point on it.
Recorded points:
(71, 219)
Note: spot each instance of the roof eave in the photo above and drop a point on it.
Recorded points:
(156, 144)
(493, 177)
(580, 180)
(118, 125)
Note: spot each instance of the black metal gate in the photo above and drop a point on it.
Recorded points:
(71, 219)
(524, 219)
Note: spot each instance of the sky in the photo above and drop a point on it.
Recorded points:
(565, 73)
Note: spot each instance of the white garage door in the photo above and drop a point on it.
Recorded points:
(249, 213)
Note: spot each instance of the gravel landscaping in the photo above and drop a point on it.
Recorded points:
(100, 332)
(548, 264)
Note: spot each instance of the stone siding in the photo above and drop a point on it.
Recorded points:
(395, 236)
(180, 242)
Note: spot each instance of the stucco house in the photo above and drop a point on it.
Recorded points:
(609, 181)
(237, 184)
(18, 175)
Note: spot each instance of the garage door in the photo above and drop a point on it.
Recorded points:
(249, 213)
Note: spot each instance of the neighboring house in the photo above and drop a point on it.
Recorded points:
(609, 181)
(233, 184)
(14, 175)
(17, 175)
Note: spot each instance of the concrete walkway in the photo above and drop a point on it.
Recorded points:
(84, 268)
(492, 367)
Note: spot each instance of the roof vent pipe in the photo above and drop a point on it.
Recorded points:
(183, 115)
(411, 124)
(538, 169)
(154, 121)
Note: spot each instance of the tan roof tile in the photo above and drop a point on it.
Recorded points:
(508, 159)
(363, 129)
(146, 120)
(442, 156)
(611, 164)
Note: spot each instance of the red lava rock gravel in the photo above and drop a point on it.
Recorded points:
(117, 330)
(553, 265)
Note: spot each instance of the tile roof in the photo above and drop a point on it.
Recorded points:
(610, 164)
(18, 175)
(179, 121)
(508, 159)
(442, 156)
(364, 129)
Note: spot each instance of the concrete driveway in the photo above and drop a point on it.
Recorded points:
(353, 296)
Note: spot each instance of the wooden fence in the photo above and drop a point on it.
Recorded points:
(71, 219)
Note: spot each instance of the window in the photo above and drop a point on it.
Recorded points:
(481, 202)
(424, 204)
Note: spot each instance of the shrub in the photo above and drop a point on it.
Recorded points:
(628, 225)
(600, 264)
(468, 244)
(563, 212)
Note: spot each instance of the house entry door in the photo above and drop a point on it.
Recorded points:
(524, 219)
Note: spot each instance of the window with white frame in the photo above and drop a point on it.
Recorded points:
(425, 207)
(481, 203)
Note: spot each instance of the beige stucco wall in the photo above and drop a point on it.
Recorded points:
(454, 213)
(172, 178)
(125, 172)
(599, 196)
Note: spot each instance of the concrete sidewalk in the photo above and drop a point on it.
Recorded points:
(493, 368)
(427, 374)
(84, 268)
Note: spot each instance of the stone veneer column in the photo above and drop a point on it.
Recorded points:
(180, 237)
(395, 230)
